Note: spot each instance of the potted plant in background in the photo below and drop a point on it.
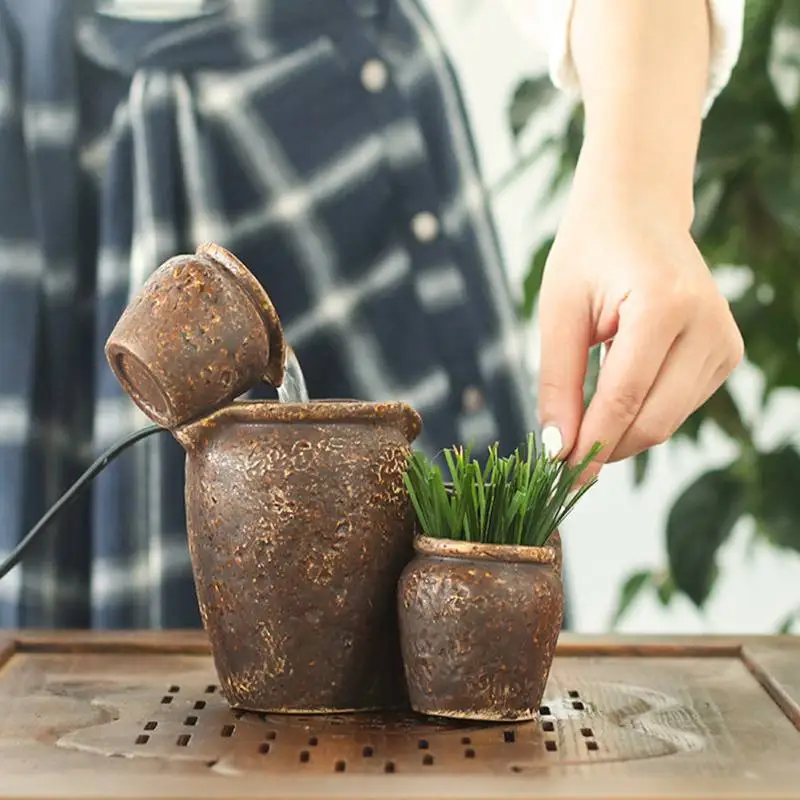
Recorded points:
(481, 603)
(747, 192)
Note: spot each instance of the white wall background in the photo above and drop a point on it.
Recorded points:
(617, 528)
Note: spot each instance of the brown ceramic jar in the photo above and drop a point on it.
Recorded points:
(479, 626)
(299, 528)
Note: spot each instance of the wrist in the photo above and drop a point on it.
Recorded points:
(637, 175)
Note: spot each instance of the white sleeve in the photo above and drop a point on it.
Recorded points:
(551, 19)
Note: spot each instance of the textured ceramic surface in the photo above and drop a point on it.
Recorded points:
(299, 528)
(201, 332)
(479, 626)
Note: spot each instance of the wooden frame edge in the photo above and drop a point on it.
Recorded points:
(175, 642)
(195, 642)
(756, 660)
(8, 646)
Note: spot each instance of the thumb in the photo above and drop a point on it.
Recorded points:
(566, 336)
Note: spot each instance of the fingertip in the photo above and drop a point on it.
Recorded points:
(552, 441)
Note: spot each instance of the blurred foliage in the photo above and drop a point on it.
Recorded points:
(747, 194)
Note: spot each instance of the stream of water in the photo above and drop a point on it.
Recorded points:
(293, 389)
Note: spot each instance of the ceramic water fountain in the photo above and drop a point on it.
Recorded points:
(314, 590)
(298, 521)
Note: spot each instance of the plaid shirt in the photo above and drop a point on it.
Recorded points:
(322, 141)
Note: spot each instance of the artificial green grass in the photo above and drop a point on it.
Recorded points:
(519, 499)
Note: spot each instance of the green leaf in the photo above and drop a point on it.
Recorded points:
(776, 505)
(592, 374)
(772, 330)
(759, 21)
(665, 588)
(699, 522)
(640, 461)
(723, 410)
(532, 96)
(570, 150)
(533, 279)
(729, 133)
(790, 13)
(778, 179)
(691, 426)
(630, 590)
(787, 626)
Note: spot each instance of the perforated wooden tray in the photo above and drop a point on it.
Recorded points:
(140, 716)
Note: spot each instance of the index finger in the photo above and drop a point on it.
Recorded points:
(627, 375)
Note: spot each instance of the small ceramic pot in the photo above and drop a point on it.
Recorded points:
(201, 332)
(478, 628)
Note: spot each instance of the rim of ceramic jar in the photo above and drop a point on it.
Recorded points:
(257, 294)
(325, 411)
(450, 548)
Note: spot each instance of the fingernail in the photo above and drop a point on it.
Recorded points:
(552, 441)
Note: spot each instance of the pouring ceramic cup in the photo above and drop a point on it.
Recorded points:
(201, 332)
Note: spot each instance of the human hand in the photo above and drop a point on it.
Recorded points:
(624, 269)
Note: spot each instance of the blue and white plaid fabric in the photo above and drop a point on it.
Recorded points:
(325, 143)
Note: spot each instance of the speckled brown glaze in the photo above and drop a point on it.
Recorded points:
(555, 542)
(479, 626)
(299, 528)
(201, 332)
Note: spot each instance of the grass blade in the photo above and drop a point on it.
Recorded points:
(518, 499)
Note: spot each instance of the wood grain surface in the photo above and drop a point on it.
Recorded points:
(139, 715)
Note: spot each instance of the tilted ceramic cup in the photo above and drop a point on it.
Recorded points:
(201, 332)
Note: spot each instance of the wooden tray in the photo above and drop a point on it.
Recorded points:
(139, 715)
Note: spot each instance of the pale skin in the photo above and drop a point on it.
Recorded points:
(624, 266)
